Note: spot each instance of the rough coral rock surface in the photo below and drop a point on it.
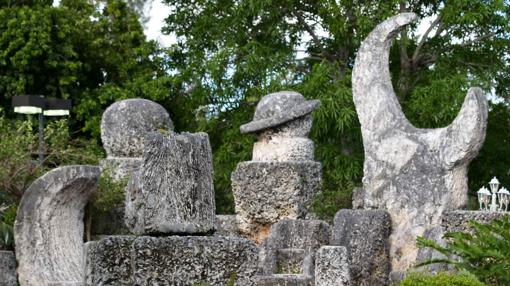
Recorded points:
(415, 174)
(267, 192)
(120, 168)
(49, 226)
(458, 221)
(8, 269)
(290, 250)
(364, 233)
(332, 266)
(172, 260)
(125, 124)
(172, 192)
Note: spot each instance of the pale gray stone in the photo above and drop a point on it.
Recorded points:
(7, 268)
(287, 255)
(278, 108)
(358, 198)
(125, 124)
(120, 168)
(173, 190)
(458, 221)
(173, 260)
(226, 225)
(49, 226)
(267, 192)
(364, 233)
(285, 280)
(332, 266)
(309, 235)
(415, 174)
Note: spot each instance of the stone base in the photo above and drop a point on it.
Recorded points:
(365, 235)
(120, 167)
(285, 280)
(458, 221)
(173, 260)
(267, 192)
(332, 266)
(8, 269)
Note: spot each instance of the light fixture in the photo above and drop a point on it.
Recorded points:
(494, 185)
(37, 104)
(28, 104)
(504, 199)
(57, 107)
(484, 198)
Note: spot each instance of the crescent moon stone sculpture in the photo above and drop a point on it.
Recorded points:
(415, 174)
(49, 227)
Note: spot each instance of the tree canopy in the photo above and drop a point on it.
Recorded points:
(230, 53)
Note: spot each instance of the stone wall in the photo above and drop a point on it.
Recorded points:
(173, 260)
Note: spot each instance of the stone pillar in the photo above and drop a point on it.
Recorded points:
(364, 233)
(282, 179)
(415, 174)
(287, 256)
(49, 226)
(172, 192)
(124, 126)
(8, 268)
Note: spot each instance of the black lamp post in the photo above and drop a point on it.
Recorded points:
(37, 104)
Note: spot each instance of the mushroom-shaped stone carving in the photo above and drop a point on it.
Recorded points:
(282, 122)
(49, 227)
(415, 174)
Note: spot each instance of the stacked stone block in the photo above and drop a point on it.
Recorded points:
(288, 254)
(364, 233)
(8, 269)
(173, 191)
(282, 179)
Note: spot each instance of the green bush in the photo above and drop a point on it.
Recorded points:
(441, 279)
(109, 194)
(485, 252)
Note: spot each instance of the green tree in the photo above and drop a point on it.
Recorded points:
(231, 53)
(93, 52)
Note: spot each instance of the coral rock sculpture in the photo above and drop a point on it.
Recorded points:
(282, 179)
(415, 174)
(49, 227)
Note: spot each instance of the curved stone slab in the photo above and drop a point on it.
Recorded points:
(49, 226)
(415, 174)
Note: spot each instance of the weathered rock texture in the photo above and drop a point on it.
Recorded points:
(414, 174)
(458, 221)
(49, 226)
(8, 269)
(226, 225)
(173, 190)
(125, 124)
(173, 260)
(267, 192)
(364, 233)
(288, 254)
(332, 266)
(119, 168)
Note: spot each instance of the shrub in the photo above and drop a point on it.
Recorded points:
(485, 252)
(441, 279)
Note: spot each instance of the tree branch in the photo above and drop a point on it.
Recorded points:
(425, 36)
(315, 38)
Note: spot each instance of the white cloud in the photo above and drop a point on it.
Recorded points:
(157, 15)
